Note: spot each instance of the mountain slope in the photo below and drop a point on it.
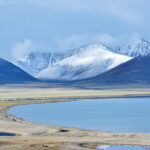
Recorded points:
(134, 71)
(88, 62)
(10, 73)
(84, 62)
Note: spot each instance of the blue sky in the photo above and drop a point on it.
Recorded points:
(51, 25)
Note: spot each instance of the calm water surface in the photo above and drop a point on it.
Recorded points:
(123, 147)
(114, 115)
(7, 134)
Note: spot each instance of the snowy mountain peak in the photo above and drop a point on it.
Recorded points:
(88, 62)
(81, 63)
(136, 47)
(84, 62)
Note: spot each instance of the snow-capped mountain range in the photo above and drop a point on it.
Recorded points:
(134, 48)
(85, 62)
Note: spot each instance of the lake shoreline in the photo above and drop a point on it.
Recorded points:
(36, 136)
(116, 115)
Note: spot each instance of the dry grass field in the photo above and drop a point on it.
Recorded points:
(13, 92)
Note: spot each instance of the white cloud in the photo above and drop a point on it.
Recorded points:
(22, 48)
(76, 41)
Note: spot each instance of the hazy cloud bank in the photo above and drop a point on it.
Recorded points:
(21, 49)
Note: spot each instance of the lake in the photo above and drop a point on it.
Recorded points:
(113, 115)
(7, 134)
(123, 147)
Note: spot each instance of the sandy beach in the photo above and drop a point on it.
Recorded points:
(34, 136)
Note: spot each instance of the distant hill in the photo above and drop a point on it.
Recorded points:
(10, 73)
(136, 70)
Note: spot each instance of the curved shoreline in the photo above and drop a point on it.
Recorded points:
(34, 136)
(88, 124)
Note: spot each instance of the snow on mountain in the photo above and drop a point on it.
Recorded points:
(87, 62)
(84, 62)
(34, 62)
(136, 47)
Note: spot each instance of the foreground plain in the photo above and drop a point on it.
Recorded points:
(33, 136)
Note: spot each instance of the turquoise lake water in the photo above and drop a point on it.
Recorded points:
(113, 115)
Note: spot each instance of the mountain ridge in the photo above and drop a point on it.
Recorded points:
(135, 47)
(84, 62)
(77, 64)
